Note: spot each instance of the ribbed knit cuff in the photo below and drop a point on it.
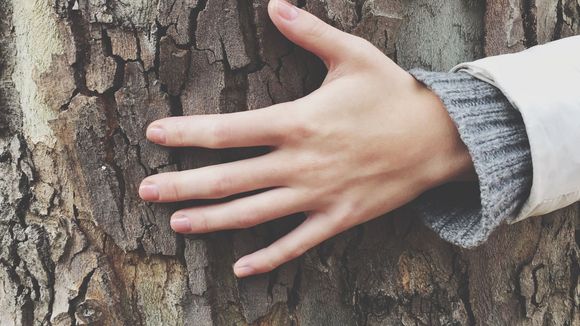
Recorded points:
(464, 213)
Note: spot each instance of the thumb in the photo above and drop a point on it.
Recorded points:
(306, 30)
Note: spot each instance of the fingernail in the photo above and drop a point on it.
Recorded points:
(286, 10)
(149, 192)
(180, 223)
(156, 135)
(243, 271)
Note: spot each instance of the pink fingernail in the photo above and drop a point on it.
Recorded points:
(243, 271)
(149, 192)
(286, 10)
(242, 267)
(180, 223)
(156, 135)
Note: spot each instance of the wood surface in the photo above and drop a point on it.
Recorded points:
(80, 81)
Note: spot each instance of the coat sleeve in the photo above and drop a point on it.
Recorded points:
(543, 84)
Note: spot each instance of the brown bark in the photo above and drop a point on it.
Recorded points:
(80, 81)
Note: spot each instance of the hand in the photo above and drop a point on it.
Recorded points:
(369, 140)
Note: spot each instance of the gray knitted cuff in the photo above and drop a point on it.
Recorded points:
(463, 213)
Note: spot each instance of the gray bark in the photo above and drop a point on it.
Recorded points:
(80, 81)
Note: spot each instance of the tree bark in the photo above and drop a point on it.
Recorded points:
(80, 81)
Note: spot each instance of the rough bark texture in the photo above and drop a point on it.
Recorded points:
(80, 80)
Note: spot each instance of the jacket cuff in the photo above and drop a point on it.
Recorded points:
(464, 213)
(541, 82)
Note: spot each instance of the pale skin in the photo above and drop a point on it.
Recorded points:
(368, 141)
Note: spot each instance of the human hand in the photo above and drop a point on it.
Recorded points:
(368, 141)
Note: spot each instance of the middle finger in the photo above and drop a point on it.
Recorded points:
(215, 181)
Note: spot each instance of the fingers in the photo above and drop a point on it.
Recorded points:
(315, 229)
(215, 181)
(311, 33)
(261, 127)
(239, 213)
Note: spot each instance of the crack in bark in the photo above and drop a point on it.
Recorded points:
(294, 78)
(120, 67)
(294, 293)
(351, 246)
(359, 10)
(249, 34)
(112, 117)
(557, 34)
(534, 298)
(75, 302)
(575, 280)
(81, 44)
(464, 293)
(530, 22)
(201, 5)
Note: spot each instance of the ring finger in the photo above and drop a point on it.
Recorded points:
(240, 213)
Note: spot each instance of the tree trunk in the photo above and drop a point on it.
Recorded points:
(80, 81)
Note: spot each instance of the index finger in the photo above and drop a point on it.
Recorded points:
(262, 127)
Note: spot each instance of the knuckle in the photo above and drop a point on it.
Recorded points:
(178, 135)
(361, 43)
(246, 221)
(299, 130)
(201, 223)
(303, 130)
(219, 134)
(317, 29)
(294, 252)
(248, 218)
(221, 186)
(309, 167)
(299, 168)
(174, 191)
(270, 265)
(361, 51)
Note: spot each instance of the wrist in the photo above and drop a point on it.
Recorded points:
(450, 160)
